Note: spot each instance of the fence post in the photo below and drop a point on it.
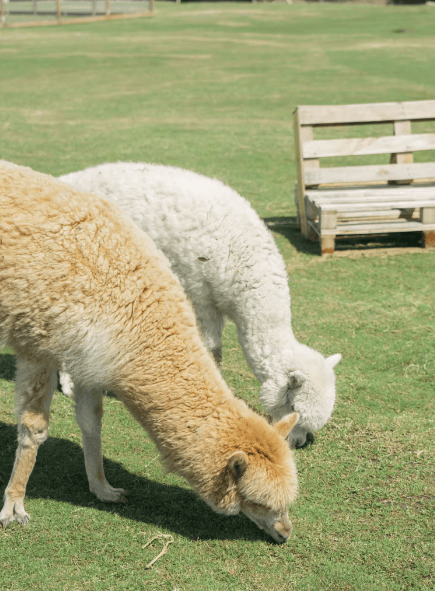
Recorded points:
(2, 13)
(59, 11)
(107, 7)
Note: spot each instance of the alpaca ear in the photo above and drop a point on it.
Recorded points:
(296, 379)
(285, 425)
(237, 464)
(333, 360)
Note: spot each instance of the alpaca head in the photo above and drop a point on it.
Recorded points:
(260, 477)
(308, 390)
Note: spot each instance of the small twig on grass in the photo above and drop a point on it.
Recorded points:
(170, 539)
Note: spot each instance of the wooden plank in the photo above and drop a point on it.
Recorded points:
(370, 173)
(427, 215)
(297, 205)
(328, 220)
(385, 194)
(379, 214)
(301, 135)
(311, 210)
(327, 244)
(401, 128)
(381, 228)
(348, 212)
(368, 145)
(317, 115)
(306, 135)
(313, 230)
(349, 207)
(388, 201)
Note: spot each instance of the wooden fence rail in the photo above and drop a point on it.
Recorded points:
(24, 13)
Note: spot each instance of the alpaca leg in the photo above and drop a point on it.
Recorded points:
(34, 387)
(89, 413)
(211, 324)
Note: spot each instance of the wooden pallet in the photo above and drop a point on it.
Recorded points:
(365, 199)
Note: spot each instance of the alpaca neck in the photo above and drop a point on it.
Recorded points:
(261, 310)
(264, 331)
(184, 415)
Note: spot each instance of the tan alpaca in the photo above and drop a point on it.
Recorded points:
(81, 285)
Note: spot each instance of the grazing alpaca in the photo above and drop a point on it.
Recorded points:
(229, 265)
(81, 285)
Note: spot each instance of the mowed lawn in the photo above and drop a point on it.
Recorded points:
(212, 88)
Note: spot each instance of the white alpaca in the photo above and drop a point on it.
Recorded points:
(81, 285)
(229, 265)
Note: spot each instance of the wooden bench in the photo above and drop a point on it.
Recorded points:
(397, 196)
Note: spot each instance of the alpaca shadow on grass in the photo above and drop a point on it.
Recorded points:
(7, 366)
(289, 228)
(59, 474)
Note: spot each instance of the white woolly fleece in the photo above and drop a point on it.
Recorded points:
(229, 265)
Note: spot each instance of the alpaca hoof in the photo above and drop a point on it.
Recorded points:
(8, 519)
(111, 495)
(22, 519)
(5, 521)
(122, 494)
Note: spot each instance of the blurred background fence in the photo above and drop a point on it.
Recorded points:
(21, 13)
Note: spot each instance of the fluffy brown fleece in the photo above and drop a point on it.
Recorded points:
(81, 285)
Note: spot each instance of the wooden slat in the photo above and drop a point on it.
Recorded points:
(366, 113)
(381, 228)
(302, 134)
(383, 214)
(369, 145)
(351, 207)
(401, 128)
(371, 173)
(368, 193)
(306, 134)
(427, 215)
(387, 201)
(327, 220)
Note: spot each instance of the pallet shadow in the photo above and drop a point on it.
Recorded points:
(7, 366)
(59, 474)
(289, 228)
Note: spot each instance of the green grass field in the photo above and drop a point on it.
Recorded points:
(212, 87)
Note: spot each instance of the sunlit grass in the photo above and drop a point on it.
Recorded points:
(211, 87)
